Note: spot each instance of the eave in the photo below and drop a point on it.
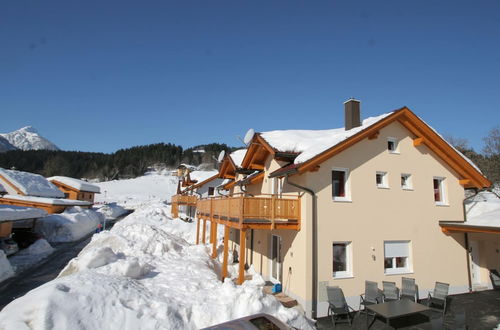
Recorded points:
(463, 227)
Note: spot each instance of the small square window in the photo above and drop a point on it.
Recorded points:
(340, 184)
(381, 180)
(211, 191)
(392, 145)
(406, 181)
(397, 257)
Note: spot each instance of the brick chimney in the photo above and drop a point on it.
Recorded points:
(352, 114)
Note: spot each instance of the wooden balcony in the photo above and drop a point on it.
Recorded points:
(184, 200)
(259, 212)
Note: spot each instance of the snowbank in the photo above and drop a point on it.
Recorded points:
(6, 270)
(143, 275)
(69, 226)
(31, 255)
(111, 211)
(483, 210)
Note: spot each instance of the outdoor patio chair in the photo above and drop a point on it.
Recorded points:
(390, 291)
(437, 299)
(408, 289)
(338, 309)
(495, 279)
(371, 296)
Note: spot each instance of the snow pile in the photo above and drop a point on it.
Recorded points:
(31, 255)
(483, 210)
(12, 212)
(140, 275)
(133, 193)
(111, 211)
(310, 143)
(69, 226)
(31, 184)
(6, 270)
(75, 183)
(27, 138)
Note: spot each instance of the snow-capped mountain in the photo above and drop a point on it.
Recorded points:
(27, 138)
(5, 145)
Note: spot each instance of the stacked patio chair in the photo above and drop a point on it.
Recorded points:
(495, 279)
(437, 300)
(390, 291)
(408, 289)
(338, 309)
(371, 296)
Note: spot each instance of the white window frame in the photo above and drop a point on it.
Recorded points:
(399, 270)
(348, 272)
(385, 180)
(396, 145)
(442, 191)
(409, 183)
(347, 184)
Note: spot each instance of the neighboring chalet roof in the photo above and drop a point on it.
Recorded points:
(75, 184)
(46, 200)
(199, 184)
(314, 147)
(483, 215)
(231, 163)
(2, 190)
(30, 184)
(13, 213)
(251, 179)
(237, 156)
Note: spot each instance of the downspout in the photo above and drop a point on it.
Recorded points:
(314, 242)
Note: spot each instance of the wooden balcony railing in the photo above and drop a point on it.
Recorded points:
(263, 211)
(184, 199)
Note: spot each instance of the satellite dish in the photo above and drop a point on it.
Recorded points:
(221, 156)
(249, 136)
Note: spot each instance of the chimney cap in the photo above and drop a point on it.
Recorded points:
(352, 99)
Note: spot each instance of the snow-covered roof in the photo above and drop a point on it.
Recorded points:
(2, 189)
(31, 184)
(76, 184)
(484, 210)
(47, 200)
(13, 212)
(200, 176)
(237, 156)
(309, 143)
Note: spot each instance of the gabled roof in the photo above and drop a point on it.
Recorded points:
(45, 200)
(199, 184)
(75, 184)
(316, 147)
(30, 184)
(231, 163)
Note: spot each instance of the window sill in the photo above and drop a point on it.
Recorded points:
(398, 272)
(442, 204)
(394, 152)
(342, 199)
(407, 189)
(382, 187)
(341, 277)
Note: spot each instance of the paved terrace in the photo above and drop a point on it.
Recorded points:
(481, 309)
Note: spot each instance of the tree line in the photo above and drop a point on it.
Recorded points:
(124, 163)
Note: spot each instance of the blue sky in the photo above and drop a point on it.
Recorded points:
(104, 75)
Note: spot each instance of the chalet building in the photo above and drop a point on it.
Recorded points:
(33, 190)
(310, 209)
(75, 189)
(11, 214)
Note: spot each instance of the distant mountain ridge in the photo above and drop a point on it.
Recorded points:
(26, 138)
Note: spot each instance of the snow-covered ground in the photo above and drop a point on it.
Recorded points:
(145, 273)
(33, 254)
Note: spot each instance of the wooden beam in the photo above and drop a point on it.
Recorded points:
(226, 252)
(203, 231)
(315, 168)
(374, 135)
(241, 275)
(465, 182)
(418, 141)
(197, 231)
(257, 167)
(214, 242)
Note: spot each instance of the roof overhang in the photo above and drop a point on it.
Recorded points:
(464, 227)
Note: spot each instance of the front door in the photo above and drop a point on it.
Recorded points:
(275, 258)
(474, 264)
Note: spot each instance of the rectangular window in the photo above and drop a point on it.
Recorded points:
(396, 257)
(342, 259)
(381, 180)
(392, 145)
(340, 186)
(438, 186)
(211, 191)
(406, 181)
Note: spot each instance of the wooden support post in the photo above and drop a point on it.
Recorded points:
(203, 231)
(214, 242)
(243, 239)
(211, 237)
(226, 252)
(197, 231)
(273, 211)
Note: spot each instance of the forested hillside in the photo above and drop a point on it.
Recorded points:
(124, 163)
